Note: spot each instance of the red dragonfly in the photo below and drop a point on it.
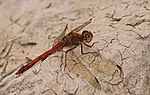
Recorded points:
(71, 40)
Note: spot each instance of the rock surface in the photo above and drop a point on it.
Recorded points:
(119, 66)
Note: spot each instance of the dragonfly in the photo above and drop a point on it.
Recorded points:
(70, 41)
(74, 64)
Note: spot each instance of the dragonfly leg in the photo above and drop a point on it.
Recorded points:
(87, 46)
(66, 55)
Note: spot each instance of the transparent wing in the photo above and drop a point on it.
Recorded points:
(59, 38)
(74, 65)
(77, 29)
(82, 26)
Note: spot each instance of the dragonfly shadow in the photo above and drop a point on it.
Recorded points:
(93, 64)
(74, 65)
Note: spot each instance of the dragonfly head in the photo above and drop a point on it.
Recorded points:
(87, 36)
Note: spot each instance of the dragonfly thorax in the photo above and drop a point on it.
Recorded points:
(87, 36)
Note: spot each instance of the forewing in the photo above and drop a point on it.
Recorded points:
(59, 38)
(82, 26)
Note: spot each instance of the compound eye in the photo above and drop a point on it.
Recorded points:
(88, 36)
